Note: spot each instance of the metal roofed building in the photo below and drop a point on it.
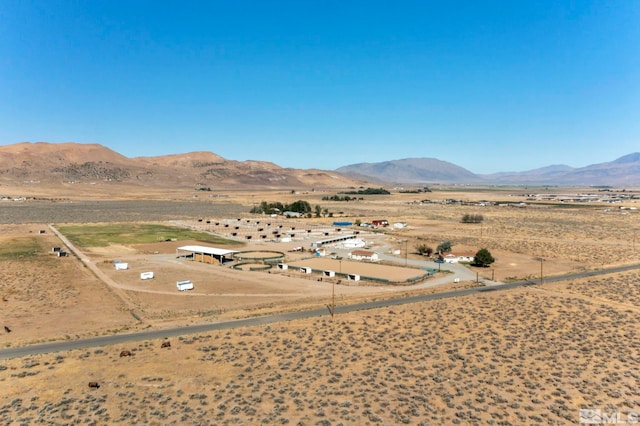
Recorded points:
(205, 254)
(317, 244)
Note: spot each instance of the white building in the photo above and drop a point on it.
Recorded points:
(354, 243)
(364, 255)
(455, 258)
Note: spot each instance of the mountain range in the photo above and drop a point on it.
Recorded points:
(67, 163)
(624, 171)
(64, 163)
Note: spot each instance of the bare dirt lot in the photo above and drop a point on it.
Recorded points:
(528, 356)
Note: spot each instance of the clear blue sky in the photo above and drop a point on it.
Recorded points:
(488, 85)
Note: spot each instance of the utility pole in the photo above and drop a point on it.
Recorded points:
(541, 261)
(333, 299)
(406, 252)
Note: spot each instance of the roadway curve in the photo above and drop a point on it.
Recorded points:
(269, 319)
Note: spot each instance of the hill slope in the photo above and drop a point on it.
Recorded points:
(63, 163)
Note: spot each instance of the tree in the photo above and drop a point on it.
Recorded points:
(318, 210)
(483, 258)
(424, 250)
(268, 208)
(444, 247)
(300, 206)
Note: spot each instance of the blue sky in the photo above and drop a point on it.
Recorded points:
(488, 85)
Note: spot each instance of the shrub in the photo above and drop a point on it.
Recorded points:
(444, 247)
(472, 218)
(424, 250)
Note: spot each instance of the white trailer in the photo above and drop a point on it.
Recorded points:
(146, 275)
(121, 266)
(184, 285)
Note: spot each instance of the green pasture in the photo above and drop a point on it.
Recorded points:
(101, 235)
(19, 248)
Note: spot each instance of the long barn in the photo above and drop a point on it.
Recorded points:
(320, 243)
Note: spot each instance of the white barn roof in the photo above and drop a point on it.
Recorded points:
(207, 250)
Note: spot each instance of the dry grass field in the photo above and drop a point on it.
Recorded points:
(535, 355)
(530, 356)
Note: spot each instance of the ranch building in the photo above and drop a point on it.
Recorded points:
(364, 255)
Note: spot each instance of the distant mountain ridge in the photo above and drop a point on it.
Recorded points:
(65, 163)
(624, 171)
(411, 171)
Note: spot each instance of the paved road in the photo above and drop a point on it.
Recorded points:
(269, 319)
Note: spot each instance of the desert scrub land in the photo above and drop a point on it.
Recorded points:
(529, 356)
(568, 238)
(48, 297)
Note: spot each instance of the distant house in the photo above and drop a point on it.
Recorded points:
(380, 222)
(364, 255)
(455, 258)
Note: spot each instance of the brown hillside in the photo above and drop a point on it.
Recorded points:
(66, 166)
(191, 159)
(48, 154)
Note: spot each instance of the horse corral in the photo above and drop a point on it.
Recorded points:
(377, 273)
